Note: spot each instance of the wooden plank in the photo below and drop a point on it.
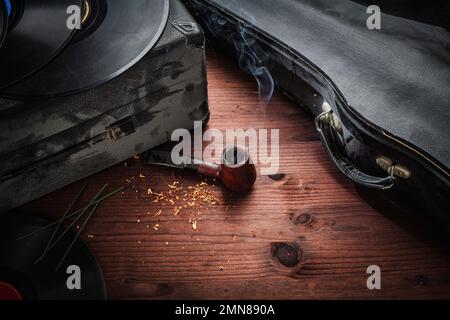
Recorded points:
(309, 235)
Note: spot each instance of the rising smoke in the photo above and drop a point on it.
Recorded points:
(237, 35)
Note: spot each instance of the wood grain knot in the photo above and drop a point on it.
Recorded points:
(304, 219)
(277, 177)
(288, 255)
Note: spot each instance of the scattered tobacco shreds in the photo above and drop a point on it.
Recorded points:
(178, 200)
(185, 199)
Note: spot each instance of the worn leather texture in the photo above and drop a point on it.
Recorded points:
(396, 79)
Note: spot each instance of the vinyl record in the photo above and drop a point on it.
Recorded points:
(22, 279)
(115, 37)
(37, 33)
(3, 20)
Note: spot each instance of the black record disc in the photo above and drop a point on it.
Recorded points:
(3, 21)
(117, 36)
(37, 32)
(22, 279)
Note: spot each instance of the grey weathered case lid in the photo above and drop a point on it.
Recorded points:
(396, 78)
(34, 130)
(23, 123)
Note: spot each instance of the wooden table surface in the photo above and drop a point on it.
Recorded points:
(310, 234)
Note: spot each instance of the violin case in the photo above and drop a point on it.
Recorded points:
(380, 97)
(48, 143)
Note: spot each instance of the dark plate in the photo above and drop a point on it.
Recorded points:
(37, 33)
(123, 33)
(41, 281)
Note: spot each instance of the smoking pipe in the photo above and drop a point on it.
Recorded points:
(236, 171)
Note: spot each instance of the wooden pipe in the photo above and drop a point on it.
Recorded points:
(236, 171)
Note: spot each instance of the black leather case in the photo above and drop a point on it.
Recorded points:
(380, 97)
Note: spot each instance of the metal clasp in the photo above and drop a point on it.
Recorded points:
(394, 169)
(121, 128)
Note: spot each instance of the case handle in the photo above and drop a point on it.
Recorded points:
(323, 126)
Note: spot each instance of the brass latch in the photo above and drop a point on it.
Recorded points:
(393, 168)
